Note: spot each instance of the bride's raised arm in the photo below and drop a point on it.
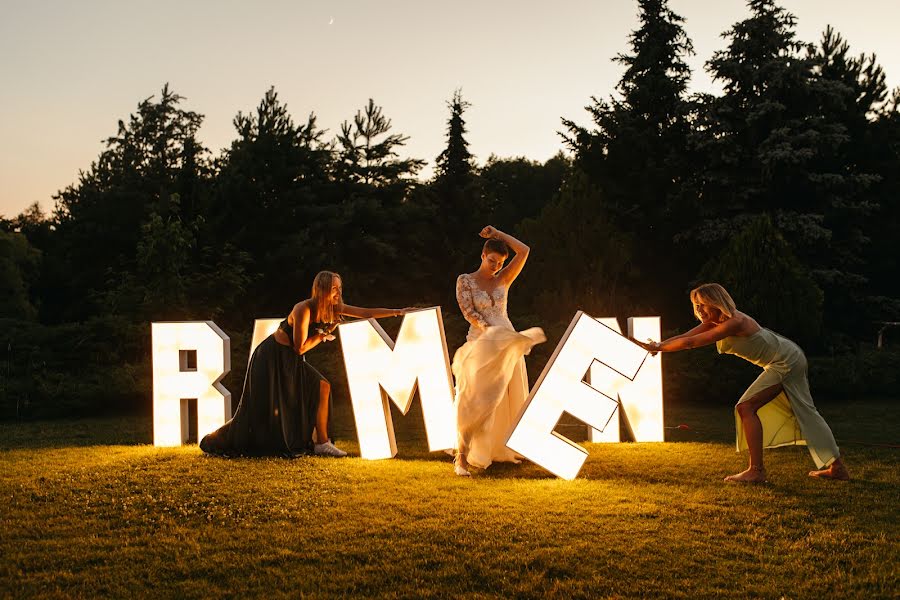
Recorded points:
(509, 273)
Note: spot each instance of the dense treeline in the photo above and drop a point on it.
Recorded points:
(784, 188)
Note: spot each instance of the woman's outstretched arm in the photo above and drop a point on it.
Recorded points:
(706, 336)
(371, 313)
(696, 330)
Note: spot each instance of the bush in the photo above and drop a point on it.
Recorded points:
(767, 281)
(866, 372)
(74, 369)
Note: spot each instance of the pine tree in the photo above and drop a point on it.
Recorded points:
(635, 155)
(378, 227)
(365, 158)
(454, 166)
(274, 198)
(861, 209)
(455, 192)
(755, 137)
(636, 151)
(778, 141)
(760, 271)
(153, 158)
(881, 259)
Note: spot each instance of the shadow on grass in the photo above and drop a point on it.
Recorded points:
(109, 431)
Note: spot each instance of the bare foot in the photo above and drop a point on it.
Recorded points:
(836, 470)
(751, 475)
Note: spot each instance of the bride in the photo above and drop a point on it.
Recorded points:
(491, 381)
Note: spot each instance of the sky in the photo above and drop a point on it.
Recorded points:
(69, 70)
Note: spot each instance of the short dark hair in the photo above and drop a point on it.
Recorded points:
(496, 246)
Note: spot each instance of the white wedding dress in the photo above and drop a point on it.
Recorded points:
(491, 381)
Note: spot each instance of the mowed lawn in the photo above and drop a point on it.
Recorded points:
(89, 509)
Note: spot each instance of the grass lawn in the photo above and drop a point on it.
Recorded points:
(88, 509)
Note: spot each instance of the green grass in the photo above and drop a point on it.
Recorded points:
(90, 509)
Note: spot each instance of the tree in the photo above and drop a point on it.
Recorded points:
(19, 267)
(580, 259)
(760, 271)
(881, 258)
(455, 193)
(861, 211)
(381, 219)
(454, 166)
(365, 159)
(635, 154)
(151, 158)
(514, 189)
(274, 199)
(176, 279)
(778, 142)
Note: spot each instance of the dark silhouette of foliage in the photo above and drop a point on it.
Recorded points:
(454, 166)
(785, 188)
(766, 280)
(578, 260)
(273, 199)
(455, 195)
(19, 264)
(514, 189)
(780, 141)
(636, 153)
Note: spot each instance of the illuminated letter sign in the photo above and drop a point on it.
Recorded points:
(641, 399)
(561, 388)
(189, 361)
(377, 369)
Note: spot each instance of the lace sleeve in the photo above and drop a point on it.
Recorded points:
(467, 304)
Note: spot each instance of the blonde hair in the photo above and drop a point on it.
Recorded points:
(713, 294)
(323, 311)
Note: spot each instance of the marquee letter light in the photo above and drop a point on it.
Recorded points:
(561, 388)
(262, 328)
(377, 368)
(176, 379)
(641, 399)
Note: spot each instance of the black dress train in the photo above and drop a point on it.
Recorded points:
(277, 412)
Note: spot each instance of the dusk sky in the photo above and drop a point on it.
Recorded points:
(70, 70)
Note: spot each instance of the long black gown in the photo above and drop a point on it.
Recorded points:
(277, 412)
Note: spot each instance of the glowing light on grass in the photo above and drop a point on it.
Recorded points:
(189, 361)
(262, 328)
(561, 388)
(378, 369)
(641, 399)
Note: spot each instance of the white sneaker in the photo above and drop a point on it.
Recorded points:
(328, 449)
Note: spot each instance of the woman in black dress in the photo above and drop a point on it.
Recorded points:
(285, 399)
